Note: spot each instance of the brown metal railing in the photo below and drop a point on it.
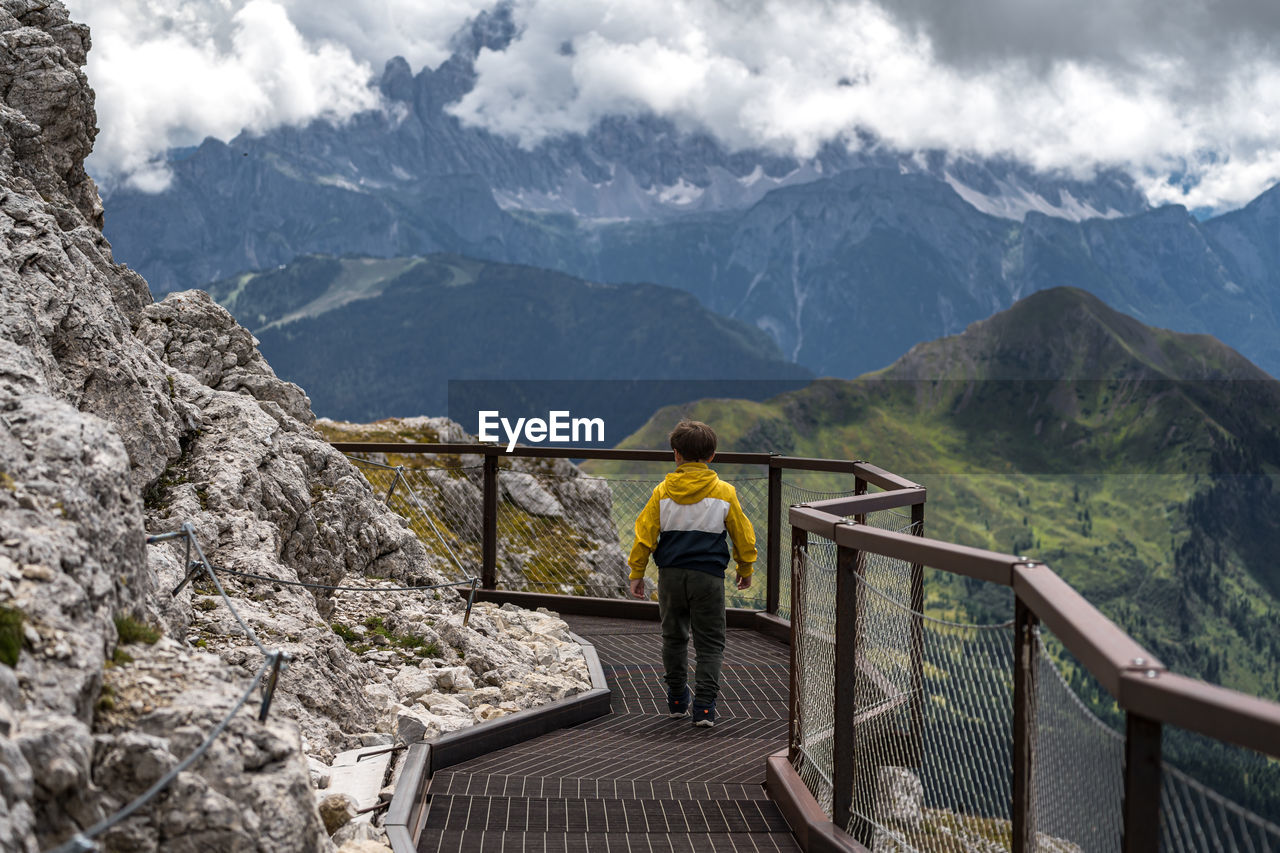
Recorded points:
(774, 464)
(1150, 695)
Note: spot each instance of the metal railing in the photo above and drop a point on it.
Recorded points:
(1001, 753)
(914, 731)
(495, 531)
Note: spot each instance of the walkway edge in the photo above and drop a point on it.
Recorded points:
(407, 813)
(814, 831)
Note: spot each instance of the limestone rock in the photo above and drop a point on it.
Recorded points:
(337, 810)
(899, 798)
(363, 846)
(121, 417)
(526, 492)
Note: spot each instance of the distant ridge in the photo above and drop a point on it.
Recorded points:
(371, 338)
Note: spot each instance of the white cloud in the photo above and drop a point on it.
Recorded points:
(172, 72)
(792, 75)
(1189, 88)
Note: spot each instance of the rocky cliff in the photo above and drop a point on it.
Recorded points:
(123, 417)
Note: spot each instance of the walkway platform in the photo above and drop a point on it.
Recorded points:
(632, 780)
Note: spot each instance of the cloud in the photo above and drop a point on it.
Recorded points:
(172, 72)
(1160, 88)
(1145, 86)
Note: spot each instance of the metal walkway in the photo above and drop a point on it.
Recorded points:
(633, 780)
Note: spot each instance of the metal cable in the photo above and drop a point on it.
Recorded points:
(188, 531)
(283, 582)
(82, 842)
(421, 509)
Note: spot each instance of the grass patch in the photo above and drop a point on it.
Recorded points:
(107, 699)
(157, 495)
(403, 641)
(348, 635)
(11, 619)
(120, 657)
(205, 604)
(131, 630)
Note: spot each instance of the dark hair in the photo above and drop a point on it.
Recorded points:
(693, 440)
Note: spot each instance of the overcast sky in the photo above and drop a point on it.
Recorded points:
(1157, 87)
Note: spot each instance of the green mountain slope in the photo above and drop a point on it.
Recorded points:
(371, 338)
(1139, 463)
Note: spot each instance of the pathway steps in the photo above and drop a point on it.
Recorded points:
(633, 780)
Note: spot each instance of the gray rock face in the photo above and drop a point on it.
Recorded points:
(119, 418)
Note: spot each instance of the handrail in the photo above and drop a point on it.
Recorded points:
(899, 492)
(871, 473)
(1135, 678)
(1129, 672)
(872, 502)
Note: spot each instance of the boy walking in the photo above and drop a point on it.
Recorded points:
(684, 527)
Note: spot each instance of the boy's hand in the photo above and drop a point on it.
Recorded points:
(637, 587)
(744, 582)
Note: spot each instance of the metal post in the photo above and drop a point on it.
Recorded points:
(917, 645)
(471, 600)
(394, 480)
(489, 520)
(278, 659)
(1141, 785)
(773, 555)
(1024, 727)
(799, 554)
(844, 771)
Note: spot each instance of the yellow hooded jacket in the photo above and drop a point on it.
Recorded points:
(685, 522)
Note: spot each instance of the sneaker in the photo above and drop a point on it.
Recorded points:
(679, 706)
(704, 716)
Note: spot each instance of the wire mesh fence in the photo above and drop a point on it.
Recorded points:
(814, 642)
(933, 731)
(933, 734)
(441, 503)
(796, 490)
(561, 531)
(1196, 819)
(1078, 788)
(557, 533)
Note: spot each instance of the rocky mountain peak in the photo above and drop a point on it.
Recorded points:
(1065, 333)
(121, 417)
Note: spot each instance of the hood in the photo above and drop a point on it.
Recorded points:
(691, 482)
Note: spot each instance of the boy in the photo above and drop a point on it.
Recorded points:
(684, 526)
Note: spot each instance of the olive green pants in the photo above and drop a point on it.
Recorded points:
(690, 601)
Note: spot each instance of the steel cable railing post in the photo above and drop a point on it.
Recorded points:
(1025, 667)
(489, 520)
(845, 768)
(279, 660)
(391, 490)
(471, 600)
(1142, 783)
(799, 556)
(773, 553)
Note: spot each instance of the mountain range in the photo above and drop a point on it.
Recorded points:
(846, 258)
(373, 338)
